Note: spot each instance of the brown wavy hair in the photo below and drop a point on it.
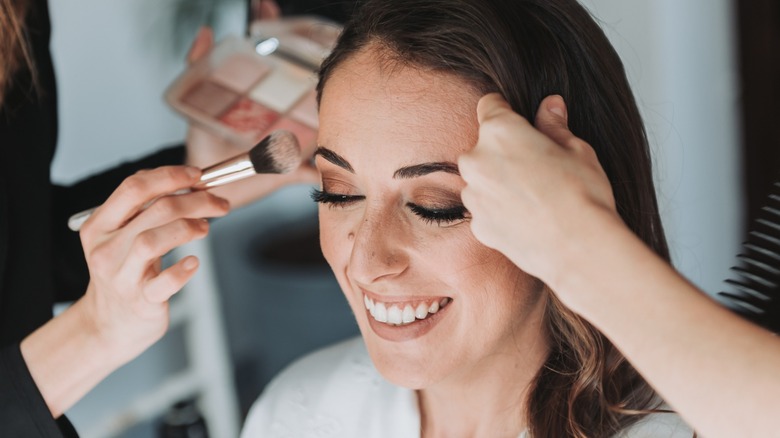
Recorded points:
(14, 52)
(527, 50)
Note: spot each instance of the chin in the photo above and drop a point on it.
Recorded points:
(413, 371)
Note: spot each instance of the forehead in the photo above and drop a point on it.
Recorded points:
(379, 105)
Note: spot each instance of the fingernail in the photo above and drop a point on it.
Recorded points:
(190, 263)
(193, 172)
(557, 106)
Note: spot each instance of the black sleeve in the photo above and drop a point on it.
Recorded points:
(338, 11)
(70, 268)
(23, 412)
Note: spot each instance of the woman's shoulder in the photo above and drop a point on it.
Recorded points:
(659, 425)
(332, 392)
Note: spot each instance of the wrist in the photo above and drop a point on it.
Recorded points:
(587, 256)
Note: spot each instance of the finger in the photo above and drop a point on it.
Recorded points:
(490, 106)
(149, 246)
(136, 191)
(162, 287)
(552, 121)
(193, 205)
(203, 42)
(269, 10)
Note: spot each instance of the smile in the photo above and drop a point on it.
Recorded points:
(403, 313)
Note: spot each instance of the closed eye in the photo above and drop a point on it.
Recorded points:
(334, 199)
(440, 216)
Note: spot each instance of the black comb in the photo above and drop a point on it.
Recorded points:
(754, 290)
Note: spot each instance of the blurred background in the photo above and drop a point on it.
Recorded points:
(705, 76)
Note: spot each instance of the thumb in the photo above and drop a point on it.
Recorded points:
(552, 120)
(490, 106)
(201, 45)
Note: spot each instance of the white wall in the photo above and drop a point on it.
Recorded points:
(680, 60)
(114, 60)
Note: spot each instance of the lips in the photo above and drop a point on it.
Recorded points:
(403, 320)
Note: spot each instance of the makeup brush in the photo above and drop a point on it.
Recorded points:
(278, 152)
(755, 291)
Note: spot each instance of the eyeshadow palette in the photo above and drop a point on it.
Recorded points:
(246, 88)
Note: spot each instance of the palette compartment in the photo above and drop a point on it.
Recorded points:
(242, 96)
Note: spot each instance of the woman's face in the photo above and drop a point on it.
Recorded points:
(431, 302)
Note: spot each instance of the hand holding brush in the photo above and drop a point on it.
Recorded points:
(278, 153)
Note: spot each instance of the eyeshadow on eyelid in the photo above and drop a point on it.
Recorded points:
(437, 196)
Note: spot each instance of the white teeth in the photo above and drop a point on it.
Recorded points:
(421, 312)
(380, 312)
(392, 313)
(408, 315)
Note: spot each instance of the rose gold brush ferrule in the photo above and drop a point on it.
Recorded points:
(225, 172)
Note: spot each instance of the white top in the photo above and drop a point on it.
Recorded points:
(337, 392)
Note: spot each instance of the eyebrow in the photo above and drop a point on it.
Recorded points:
(405, 172)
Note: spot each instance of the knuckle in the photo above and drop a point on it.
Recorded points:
(99, 258)
(134, 185)
(174, 173)
(580, 146)
(145, 244)
(193, 227)
(166, 206)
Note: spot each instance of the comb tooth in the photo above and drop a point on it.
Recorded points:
(739, 301)
(751, 276)
(764, 251)
(760, 265)
(748, 290)
(769, 224)
(766, 237)
(771, 210)
(755, 290)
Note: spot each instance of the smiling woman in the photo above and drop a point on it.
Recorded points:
(461, 341)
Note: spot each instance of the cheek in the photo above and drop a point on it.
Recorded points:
(488, 280)
(335, 239)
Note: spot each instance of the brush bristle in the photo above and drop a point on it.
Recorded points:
(279, 152)
(755, 292)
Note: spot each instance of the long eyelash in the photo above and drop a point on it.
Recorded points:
(334, 199)
(440, 216)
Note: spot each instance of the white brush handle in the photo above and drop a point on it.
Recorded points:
(77, 220)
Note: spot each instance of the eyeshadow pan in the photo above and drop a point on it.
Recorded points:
(306, 136)
(239, 72)
(306, 110)
(249, 118)
(209, 98)
(281, 88)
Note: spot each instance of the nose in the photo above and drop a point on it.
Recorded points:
(380, 247)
